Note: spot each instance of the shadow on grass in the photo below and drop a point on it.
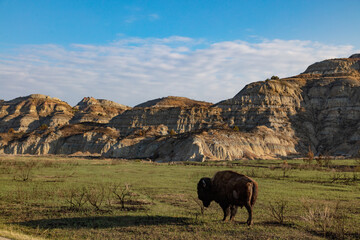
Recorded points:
(105, 222)
(273, 223)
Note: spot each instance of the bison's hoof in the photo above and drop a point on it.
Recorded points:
(249, 222)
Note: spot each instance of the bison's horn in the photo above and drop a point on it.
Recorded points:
(203, 183)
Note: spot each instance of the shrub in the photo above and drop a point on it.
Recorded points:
(319, 161)
(319, 218)
(278, 210)
(43, 127)
(11, 130)
(122, 193)
(285, 167)
(272, 167)
(326, 219)
(275, 78)
(23, 170)
(310, 157)
(172, 132)
(95, 195)
(76, 198)
(326, 159)
(236, 129)
(357, 161)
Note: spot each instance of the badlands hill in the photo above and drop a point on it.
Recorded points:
(317, 109)
(172, 101)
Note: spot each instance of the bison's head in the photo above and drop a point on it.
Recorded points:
(204, 191)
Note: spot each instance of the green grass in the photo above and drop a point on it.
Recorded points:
(164, 201)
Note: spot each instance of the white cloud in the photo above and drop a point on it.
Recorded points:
(134, 70)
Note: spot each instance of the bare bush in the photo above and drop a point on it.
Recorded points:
(122, 193)
(326, 219)
(278, 210)
(272, 167)
(22, 170)
(320, 218)
(76, 197)
(357, 159)
(285, 167)
(344, 177)
(95, 195)
(335, 176)
(98, 195)
(327, 159)
(319, 161)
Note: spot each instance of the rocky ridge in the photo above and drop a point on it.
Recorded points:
(90, 109)
(319, 108)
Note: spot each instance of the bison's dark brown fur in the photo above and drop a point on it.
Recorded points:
(230, 190)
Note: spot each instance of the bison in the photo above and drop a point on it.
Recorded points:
(230, 190)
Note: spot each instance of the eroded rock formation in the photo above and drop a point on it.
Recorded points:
(319, 108)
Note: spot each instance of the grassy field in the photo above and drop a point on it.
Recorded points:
(73, 198)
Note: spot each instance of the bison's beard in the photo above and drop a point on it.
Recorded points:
(206, 203)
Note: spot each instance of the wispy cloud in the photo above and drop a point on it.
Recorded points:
(130, 19)
(136, 14)
(153, 17)
(134, 70)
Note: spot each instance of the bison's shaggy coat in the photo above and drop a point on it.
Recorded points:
(230, 190)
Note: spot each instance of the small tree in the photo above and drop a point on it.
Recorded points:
(310, 156)
(275, 78)
(122, 193)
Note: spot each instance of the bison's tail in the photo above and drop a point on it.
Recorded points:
(254, 193)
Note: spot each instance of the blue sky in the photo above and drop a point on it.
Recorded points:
(134, 51)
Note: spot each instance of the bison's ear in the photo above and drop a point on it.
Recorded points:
(203, 183)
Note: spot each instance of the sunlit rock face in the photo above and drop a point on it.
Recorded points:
(90, 109)
(318, 109)
(30, 112)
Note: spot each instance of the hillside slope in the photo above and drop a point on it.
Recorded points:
(319, 108)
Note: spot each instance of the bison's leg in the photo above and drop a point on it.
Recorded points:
(233, 211)
(226, 209)
(249, 209)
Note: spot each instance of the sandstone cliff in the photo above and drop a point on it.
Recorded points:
(90, 109)
(29, 113)
(319, 108)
